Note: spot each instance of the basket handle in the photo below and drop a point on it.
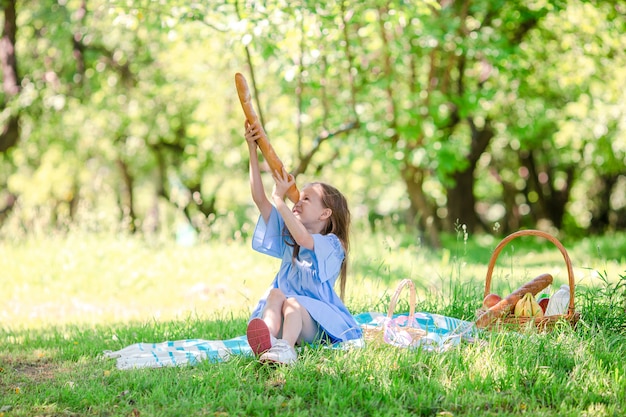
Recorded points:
(412, 297)
(531, 232)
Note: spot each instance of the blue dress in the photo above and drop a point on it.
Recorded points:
(310, 279)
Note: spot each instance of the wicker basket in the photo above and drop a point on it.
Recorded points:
(511, 322)
(380, 334)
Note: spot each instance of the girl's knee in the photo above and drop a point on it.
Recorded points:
(276, 296)
(291, 304)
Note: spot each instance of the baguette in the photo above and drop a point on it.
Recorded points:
(264, 144)
(506, 304)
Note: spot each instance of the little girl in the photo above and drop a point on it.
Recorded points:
(301, 305)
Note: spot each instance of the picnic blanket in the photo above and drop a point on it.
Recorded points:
(443, 333)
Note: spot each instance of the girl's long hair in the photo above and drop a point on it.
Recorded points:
(338, 223)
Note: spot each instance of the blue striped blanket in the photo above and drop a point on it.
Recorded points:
(441, 333)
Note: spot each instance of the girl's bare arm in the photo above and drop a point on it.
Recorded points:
(256, 183)
(300, 234)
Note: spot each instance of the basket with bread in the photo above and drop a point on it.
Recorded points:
(526, 307)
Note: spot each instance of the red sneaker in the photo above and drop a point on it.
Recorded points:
(259, 336)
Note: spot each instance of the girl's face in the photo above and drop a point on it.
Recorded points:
(310, 209)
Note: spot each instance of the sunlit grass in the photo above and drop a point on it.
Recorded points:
(99, 279)
(564, 373)
(89, 278)
(66, 299)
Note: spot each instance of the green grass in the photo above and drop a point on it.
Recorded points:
(66, 299)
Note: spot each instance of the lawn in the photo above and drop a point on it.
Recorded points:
(67, 298)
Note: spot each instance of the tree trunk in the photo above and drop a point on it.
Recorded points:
(126, 197)
(461, 199)
(413, 178)
(10, 132)
(559, 198)
(462, 202)
(600, 222)
(512, 221)
(549, 203)
(9, 204)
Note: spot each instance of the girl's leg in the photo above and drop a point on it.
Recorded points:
(298, 326)
(273, 312)
(262, 333)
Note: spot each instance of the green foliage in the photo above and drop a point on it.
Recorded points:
(141, 95)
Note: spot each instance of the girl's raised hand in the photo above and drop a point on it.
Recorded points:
(253, 132)
(283, 182)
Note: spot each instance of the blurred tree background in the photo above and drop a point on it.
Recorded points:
(122, 115)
